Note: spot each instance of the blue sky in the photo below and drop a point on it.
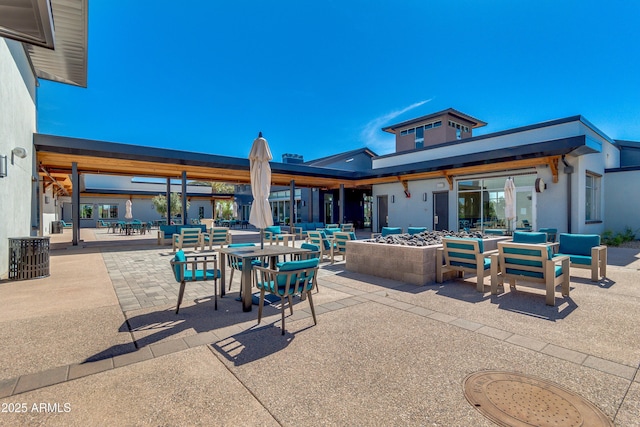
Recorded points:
(323, 77)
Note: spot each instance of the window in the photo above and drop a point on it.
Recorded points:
(419, 137)
(107, 211)
(86, 211)
(481, 202)
(592, 197)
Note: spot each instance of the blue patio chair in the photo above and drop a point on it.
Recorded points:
(235, 263)
(319, 238)
(293, 277)
(530, 263)
(552, 233)
(585, 251)
(339, 246)
(195, 268)
(463, 255)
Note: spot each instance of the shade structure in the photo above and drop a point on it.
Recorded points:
(128, 214)
(509, 202)
(260, 171)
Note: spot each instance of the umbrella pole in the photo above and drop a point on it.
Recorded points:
(261, 238)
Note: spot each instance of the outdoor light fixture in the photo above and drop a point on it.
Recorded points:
(424, 197)
(18, 152)
(393, 198)
(3, 166)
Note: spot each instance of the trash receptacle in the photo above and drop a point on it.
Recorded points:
(28, 257)
(56, 227)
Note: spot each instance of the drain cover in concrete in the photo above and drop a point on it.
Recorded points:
(512, 399)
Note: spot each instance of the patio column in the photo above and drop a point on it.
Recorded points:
(292, 201)
(169, 201)
(184, 197)
(75, 203)
(310, 205)
(341, 201)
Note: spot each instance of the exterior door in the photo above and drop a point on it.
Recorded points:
(525, 203)
(441, 210)
(383, 212)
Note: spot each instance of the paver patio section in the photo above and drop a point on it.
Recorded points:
(383, 352)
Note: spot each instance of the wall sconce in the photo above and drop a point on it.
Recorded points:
(393, 198)
(3, 166)
(18, 152)
(424, 197)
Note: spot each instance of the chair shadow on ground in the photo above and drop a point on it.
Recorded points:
(164, 324)
(533, 304)
(523, 300)
(604, 283)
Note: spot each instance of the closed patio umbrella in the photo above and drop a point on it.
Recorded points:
(509, 202)
(259, 157)
(128, 214)
(235, 209)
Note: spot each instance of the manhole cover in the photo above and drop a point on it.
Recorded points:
(515, 400)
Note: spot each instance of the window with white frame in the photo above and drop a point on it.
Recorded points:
(592, 197)
(86, 211)
(108, 211)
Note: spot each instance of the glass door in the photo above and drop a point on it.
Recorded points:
(525, 212)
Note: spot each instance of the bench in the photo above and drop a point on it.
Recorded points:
(166, 232)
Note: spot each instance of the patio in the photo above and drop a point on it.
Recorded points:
(101, 335)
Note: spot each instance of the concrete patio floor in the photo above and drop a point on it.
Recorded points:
(99, 343)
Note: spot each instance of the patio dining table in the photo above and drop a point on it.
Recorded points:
(246, 254)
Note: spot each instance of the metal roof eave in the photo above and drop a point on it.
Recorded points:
(67, 63)
(544, 149)
(113, 150)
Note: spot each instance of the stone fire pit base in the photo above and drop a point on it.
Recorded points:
(409, 264)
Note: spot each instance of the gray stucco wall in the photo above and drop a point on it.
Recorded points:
(17, 125)
(622, 201)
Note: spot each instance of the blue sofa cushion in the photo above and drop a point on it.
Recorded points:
(558, 272)
(416, 230)
(178, 269)
(311, 247)
(486, 265)
(578, 259)
(386, 231)
(529, 237)
(578, 244)
(178, 228)
(168, 230)
(330, 231)
(294, 265)
(463, 243)
(275, 229)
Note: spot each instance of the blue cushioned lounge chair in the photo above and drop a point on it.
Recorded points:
(529, 263)
(463, 255)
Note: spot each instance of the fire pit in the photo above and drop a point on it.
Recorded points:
(402, 257)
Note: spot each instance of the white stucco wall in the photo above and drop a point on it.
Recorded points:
(17, 125)
(414, 211)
